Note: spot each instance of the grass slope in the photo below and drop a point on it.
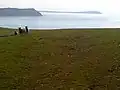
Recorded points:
(60, 60)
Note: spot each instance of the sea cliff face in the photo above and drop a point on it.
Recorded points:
(19, 12)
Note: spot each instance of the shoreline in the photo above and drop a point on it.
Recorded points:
(93, 28)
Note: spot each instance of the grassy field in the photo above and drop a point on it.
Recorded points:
(60, 60)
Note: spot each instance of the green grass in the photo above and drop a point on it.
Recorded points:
(60, 60)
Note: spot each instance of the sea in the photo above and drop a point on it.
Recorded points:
(61, 20)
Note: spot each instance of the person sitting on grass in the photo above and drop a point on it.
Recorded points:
(21, 31)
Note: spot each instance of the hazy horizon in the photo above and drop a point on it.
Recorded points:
(105, 6)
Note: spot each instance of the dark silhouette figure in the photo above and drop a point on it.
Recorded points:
(21, 31)
(15, 32)
(26, 29)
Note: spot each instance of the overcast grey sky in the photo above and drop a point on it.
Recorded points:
(105, 6)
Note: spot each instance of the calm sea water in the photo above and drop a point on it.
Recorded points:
(52, 20)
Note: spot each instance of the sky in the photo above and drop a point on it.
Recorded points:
(105, 6)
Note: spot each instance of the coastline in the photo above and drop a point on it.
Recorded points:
(87, 28)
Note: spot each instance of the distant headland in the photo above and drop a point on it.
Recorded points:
(82, 12)
(19, 12)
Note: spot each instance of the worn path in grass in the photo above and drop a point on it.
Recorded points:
(61, 60)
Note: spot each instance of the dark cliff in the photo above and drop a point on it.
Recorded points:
(19, 12)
